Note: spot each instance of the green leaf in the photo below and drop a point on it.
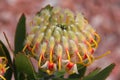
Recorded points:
(91, 74)
(23, 65)
(102, 75)
(4, 52)
(20, 34)
(81, 70)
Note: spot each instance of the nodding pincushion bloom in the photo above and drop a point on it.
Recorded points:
(3, 68)
(60, 40)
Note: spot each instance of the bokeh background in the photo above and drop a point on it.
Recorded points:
(103, 15)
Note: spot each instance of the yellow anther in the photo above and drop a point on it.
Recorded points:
(103, 55)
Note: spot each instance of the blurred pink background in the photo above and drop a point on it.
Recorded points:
(103, 15)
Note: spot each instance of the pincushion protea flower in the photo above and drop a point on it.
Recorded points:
(3, 68)
(60, 40)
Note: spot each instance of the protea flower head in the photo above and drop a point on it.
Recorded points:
(61, 40)
(3, 68)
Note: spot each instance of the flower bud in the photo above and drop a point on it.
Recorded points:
(63, 39)
(43, 47)
(73, 46)
(65, 42)
(57, 36)
(29, 39)
(48, 34)
(39, 38)
(72, 36)
(59, 50)
(65, 33)
(80, 21)
(42, 29)
(52, 42)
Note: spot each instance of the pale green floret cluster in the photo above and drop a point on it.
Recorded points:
(61, 40)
